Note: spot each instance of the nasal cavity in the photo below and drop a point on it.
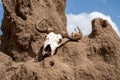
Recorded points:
(48, 48)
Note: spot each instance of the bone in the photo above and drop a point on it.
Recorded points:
(57, 40)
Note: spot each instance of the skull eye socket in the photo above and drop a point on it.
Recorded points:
(60, 40)
(46, 38)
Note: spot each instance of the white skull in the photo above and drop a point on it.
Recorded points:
(52, 41)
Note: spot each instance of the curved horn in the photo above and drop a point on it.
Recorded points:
(43, 29)
(73, 38)
(47, 30)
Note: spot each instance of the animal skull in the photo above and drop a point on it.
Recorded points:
(52, 41)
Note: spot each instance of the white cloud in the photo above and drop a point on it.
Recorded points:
(83, 20)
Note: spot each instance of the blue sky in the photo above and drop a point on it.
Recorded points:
(84, 8)
(1, 15)
(107, 7)
(81, 12)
